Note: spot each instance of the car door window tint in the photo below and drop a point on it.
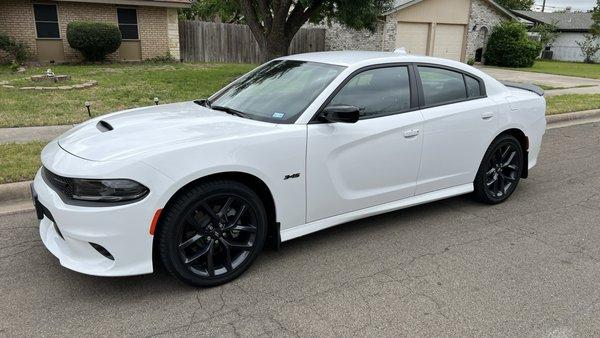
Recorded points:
(376, 92)
(473, 87)
(442, 86)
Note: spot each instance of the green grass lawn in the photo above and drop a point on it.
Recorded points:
(120, 86)
(19, 161)
(571, 103)
(578, 69)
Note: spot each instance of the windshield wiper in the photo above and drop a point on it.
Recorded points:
(203, 102)
(231, 111)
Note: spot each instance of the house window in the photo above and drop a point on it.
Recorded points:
(46, 21)
(128, 24)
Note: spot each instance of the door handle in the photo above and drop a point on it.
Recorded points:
(487, 115)
(411, 133)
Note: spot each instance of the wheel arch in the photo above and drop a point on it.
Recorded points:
(253, 182)
(524, 141)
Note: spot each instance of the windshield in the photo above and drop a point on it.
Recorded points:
(279, 91)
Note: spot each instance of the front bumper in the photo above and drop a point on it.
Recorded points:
(73, 233)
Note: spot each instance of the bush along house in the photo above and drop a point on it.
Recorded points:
(149, 28)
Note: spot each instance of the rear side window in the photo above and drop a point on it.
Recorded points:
(473, 87)
(376, 92)
(442, 86)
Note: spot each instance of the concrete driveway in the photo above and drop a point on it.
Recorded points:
(528, 267)
(570, 84)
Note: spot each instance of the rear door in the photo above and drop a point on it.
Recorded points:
(459, 121)
(352, 166)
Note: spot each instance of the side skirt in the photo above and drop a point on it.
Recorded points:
(305, 229)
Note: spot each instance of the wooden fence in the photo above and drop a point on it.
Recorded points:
(222, 42)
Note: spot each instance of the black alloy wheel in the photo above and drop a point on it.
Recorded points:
(500, 170)
(212, 233)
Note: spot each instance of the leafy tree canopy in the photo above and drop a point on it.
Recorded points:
(524, 5)
(275, 22)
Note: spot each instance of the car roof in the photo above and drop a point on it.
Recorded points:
(348, 58)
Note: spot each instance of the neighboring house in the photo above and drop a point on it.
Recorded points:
(149, 27)
(456, 29)
(572, 27)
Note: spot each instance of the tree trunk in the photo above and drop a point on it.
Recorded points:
(274, 47)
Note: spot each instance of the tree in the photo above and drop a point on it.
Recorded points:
(547, 32)
(275, 22)
(213, 10)
(590, 45)
(595, 29)
(524, 5)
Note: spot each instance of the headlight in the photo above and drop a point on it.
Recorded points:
(109, 190)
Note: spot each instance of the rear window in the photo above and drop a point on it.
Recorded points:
(442, 86)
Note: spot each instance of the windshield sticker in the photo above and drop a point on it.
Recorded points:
(278, 115)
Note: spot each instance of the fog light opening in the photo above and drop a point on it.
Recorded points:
(102, 251)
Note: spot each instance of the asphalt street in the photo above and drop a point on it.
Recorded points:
(528, 267)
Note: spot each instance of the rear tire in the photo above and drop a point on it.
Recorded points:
(212, 233)
(500, 170)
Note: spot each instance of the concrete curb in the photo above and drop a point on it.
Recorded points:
(13, 193)
(580, 115)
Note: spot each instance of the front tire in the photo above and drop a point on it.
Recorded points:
(212, 233)
(500, 170)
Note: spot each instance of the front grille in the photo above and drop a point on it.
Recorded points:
(60, 184)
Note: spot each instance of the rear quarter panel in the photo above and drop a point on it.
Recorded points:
(526, 111)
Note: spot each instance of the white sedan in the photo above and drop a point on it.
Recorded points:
(300, 144)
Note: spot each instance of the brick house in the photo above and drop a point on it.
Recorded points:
(149, 27)
(456, 29)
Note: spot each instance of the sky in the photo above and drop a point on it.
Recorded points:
(561, 4)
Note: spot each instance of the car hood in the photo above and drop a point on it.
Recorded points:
(142, 130)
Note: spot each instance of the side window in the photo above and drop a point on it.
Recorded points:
(377, 92)
(442, 86)
(46, 21)
(128, 25)
(473, 87)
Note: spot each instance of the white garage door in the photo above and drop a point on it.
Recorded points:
(448, 41)
(413, 37)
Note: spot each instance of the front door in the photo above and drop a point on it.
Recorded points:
(352, 166)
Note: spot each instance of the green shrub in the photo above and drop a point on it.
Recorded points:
(167, 58)
(16, 51)
(95, 40)
(509, 46)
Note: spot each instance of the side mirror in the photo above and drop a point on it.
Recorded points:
(344, 114)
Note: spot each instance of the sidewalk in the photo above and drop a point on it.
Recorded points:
(26, 134)
(563, 84)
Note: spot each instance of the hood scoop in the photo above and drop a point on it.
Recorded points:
(104, 126)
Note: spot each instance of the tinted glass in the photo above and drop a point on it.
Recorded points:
(45, 12)
(279, 91)
(473, 87)
(47, 30)
(377, 92)
(129, 32)
(441, 85)
(127, 16)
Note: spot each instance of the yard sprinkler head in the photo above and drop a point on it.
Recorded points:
(156, 101)
(87, 105)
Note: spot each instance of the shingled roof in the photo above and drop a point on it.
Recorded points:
(564, 21)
